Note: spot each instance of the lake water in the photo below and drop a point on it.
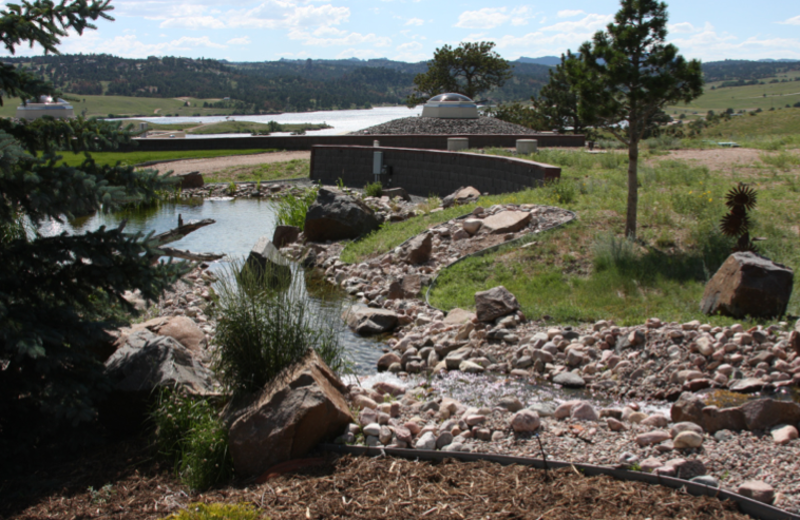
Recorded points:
(342, 121)
(239, 224)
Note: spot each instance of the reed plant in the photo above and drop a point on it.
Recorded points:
(264, 327)
(292, 209)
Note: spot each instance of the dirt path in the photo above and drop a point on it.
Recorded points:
(216, 164)
(720, 159)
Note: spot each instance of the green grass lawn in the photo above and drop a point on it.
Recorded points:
(132, 158)
(584, 271)
(293, 169)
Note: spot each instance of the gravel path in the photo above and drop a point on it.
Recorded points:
(216, 164)
(432, 125)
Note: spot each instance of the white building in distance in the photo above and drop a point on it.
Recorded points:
(450, 106)
(45, 107)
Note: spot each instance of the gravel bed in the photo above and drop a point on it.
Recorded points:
(433, 125)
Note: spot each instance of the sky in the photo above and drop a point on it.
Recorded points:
(412, 30)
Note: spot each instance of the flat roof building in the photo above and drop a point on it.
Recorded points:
(45, 107)
(450, 106)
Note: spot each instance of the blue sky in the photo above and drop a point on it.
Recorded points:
(411, 30)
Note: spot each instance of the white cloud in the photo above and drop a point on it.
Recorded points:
(410, 46)
(791, 21)
(588, 24)
(569, 13)
(350, 39)
(708, 44)
(486, 18)
(520, 16)
(244, 40)
(129, 46)
(682, 28)
(415, 21)
(193, 22)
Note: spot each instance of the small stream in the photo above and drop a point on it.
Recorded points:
(239, 224)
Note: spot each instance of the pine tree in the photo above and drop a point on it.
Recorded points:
(56, 292)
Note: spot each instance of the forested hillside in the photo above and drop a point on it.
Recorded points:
(745, 70)
(258, 87)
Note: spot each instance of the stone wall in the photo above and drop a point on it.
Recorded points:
(425, 172)
(305, 142)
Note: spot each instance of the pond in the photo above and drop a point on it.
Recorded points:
(239, 224)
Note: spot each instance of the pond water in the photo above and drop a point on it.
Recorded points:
(239, 224)
(342, 121)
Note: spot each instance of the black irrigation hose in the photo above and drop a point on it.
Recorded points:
(490, 250)
(755, 509)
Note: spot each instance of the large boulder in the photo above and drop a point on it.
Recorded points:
(266, 260)
(495, 303)
(461, 196)
(762, 414)
(144, 364)
(507, 222)
(191, 180)
(185, 331)
(368, 320)
(303, 406)
(285, 235)
(418, 249)
(748, 285)
(336, 216)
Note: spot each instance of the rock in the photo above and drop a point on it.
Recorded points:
(495, 303)
(544, 409)
(686, 469)
(687, 439)
(336, 216)
(748, 285)
(266, 260)
(653, 437)
(757, 490)
(458, 317)
(688, 408)
(373, 429)
(685, 426)
(362, 401)
(706, 480)
(412, 285)
(461, 196)
(386, 360)
(615, 425)
(636, 417)
(396, 192)
(185, 331)
(509, 221)
(656, 420)
(784, 434)
(285, 235)
(137, 371)
(385, 387)
(510, 403)
(426, 441)
(715, 419)
(191, 180)
(471, 225)
(569, 380)
(525, 421)
(762, 414)
(418, 249)
(368, 320)
(301, 407)
(747, 385)
(583, 412)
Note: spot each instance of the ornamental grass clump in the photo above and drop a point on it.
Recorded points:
(292, 209)
(264, 327)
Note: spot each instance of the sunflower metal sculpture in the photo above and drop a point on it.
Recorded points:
(736, 224)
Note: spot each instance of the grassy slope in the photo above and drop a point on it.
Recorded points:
(73, 159)
(748, 97)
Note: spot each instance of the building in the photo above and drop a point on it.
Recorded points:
(45, 107)
(450, 106)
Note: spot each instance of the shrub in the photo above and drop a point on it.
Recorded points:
(373, 189)
(189, 433)
(216, 511)
(562, 191)
(612, 252)
(264, 327)
(292, 210)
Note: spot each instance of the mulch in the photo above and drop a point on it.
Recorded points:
(128, 482)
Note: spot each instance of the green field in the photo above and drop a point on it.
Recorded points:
(751, 97)
(132, 158)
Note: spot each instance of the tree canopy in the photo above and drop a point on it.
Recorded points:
(470, 69)
(626, 75)
(56, 291)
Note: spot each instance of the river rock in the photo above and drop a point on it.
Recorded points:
(583, 412)
(508, 221)
(266, 260)
(569, 380)
(784, 434)
(762, 414)
(185, 331)
(396, 192)
(495, 303)
(686, 469)
(336, 216)
(757, 490)
(301, 407)
(688, 407)
(386, 360)
(426, 441)
(748, 385)
(285, 235)
(471, 225)
(748, 284)
(367, 320)
(715, 419)
(458, 316)
(653, 437)
(685, 426)
(525, 421)
(687, 439)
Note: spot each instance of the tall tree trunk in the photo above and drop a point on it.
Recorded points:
(633, 186)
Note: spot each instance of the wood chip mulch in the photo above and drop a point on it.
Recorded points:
(127, 487)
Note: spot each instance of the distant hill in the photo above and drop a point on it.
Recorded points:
(550, 61)
(784, 60)
(746, 70)
(257, 87)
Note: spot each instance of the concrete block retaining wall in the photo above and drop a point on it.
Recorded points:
(425, 172)
(305, 142)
